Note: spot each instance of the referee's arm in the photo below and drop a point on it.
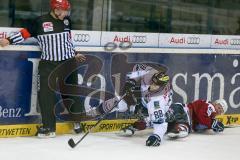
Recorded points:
(19, 36)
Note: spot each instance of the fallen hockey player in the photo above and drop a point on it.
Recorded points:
(195, 116)
(147, 88)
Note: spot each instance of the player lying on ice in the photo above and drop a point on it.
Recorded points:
(147, 88)
(195, 116)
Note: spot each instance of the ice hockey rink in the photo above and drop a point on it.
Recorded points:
(112, 146)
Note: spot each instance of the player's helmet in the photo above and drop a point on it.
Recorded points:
(223, 103)
(60, 4)
(160, 78)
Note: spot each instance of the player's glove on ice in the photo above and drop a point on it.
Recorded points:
(217, 126)
(153, 140)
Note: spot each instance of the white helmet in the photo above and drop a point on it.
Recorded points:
(223, 103)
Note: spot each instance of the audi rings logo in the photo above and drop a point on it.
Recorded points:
(235, 42)
(193, 40)
(139, 39)
(81, 38)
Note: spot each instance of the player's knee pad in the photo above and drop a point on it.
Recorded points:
(122, 106)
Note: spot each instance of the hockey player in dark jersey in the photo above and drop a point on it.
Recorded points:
(52, 32)
(195, 116)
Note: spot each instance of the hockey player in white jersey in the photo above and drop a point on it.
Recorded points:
(148, 87)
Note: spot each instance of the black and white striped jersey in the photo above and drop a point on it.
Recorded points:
(53, 35)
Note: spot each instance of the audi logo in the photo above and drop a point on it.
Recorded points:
(139, 39)
(193, 40)
(235, 41)
(81, 38)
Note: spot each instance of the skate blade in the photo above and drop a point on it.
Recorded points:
(50, 135)
(125, 133)
(177, 135)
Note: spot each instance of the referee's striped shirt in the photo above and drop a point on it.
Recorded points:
(56, 47)
(53, 35)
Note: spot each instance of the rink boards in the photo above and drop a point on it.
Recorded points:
(196, 74)
(23, 130)
(64, 128)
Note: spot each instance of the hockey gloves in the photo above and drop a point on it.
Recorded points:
(217, 126)
(129, 86)
(170, 117)
(153, 140)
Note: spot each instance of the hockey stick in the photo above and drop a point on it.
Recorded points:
(71, 141)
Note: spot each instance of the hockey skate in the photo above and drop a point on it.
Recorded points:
(178, 134)
(77, 127)
(180, 131)
(128, 131)
(131, 129)
(45, 132)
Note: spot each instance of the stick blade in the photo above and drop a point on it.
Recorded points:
(71, 143)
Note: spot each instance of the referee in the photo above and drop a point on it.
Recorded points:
(52, 32)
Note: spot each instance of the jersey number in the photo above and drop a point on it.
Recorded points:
(158, 114)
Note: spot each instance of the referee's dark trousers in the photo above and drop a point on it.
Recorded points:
(52, 78)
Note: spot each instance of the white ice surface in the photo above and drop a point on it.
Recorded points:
(110, 146)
